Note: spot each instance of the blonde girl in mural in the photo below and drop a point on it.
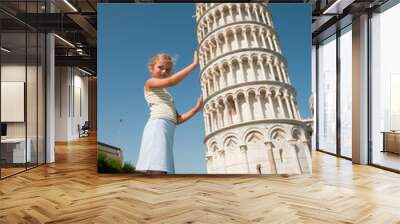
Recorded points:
(156, 155)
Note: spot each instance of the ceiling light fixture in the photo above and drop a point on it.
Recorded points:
(84, 71)
(65, 41)
(328, 10)
(70, 5)
(5, 49)
(337, 7)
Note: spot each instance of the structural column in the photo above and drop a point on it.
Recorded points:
(50, 92)
(215, 25)
(263, 39)
(230, 12)
(271, 104)
(209, 164)
(276, 45)
(211, 49)
(235, 39)
(230, 68)
(208, 25)
(228, 45)
(248, 10)
(226, 113)
(271, 46)
(209, 84)
(206, 123)
(238, 112)
(360, 89)
(238, 6)
(246, 39)
(220, 121)
(212, 124)
(296, 113)
(278, 97)
(243, 77)
(247, 105)
(258, 95)
(243, 150)
(252, 75)
(218, 51)
(260, 62)
(288, 105)
(253, 32)
(284, 73)
(270, 156)
(222, 153)
(278, 70)
(262, 15)
(216, 81)
(268, 20)
(271, 69)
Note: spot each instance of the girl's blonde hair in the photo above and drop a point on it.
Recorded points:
(161, 57)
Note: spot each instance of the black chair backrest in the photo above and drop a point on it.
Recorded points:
(86, 125)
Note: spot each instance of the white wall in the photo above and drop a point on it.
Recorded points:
(12, 101)
(12, 73)
(71, 87)
(33, 127)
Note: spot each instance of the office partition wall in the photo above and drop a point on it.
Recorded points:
(22, 77)
(14, 153)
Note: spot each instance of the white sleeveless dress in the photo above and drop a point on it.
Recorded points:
(158, 135)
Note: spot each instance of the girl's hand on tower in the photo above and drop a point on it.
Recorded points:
(199, 104)
(195, 58)
(186, 116)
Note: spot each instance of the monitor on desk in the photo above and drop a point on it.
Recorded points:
(3, 130)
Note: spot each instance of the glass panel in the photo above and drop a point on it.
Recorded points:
(327, 95)
(13, 87)
(41, 98)
(385, 84)
(23, 84)
(346, 92)
(31, 101)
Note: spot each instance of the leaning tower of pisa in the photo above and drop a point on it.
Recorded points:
(251, 119)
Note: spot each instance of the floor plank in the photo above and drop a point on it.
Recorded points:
(71, 191)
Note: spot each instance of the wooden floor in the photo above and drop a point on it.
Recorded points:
(387, 159)
(10, 171)
(71, 191)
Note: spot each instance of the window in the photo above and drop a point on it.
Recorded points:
(385, 86)
(327, 95)
(346, 92)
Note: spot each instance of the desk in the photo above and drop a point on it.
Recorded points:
(16, 147)
(391, 141)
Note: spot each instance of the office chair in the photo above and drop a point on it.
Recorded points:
(84, 130)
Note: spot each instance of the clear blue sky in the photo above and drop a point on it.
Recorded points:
(130, 34)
